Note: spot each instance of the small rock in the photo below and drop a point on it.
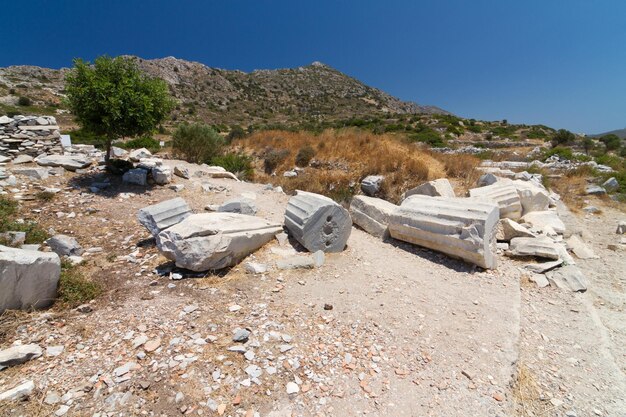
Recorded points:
(292, 388)
(152, 345)
(328, 306)
(241, 335)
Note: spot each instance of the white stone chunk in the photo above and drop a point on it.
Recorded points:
(436, 188)
(372, 214)
(159, 217)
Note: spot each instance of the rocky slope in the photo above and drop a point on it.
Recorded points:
(316, 91)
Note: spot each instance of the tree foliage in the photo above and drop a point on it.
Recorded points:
(562, 137)
(113, 98)
(611, 141)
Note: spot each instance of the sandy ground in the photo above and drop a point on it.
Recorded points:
(382, 329)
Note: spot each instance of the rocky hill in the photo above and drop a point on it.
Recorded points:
(313, 92)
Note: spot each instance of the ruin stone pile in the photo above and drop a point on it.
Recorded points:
(28, 135)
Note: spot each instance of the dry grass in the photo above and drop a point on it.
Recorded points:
(342, 159)
(571, 187)
(462, 167)
(527, 395)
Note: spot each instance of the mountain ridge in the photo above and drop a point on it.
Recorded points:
(316, 91)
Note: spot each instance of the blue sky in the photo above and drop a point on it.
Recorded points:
(556, 62)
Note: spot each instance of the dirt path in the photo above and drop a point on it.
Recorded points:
(381, 329)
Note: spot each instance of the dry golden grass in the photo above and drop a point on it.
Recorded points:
(527, 395)
(461, 167)
(342, 159)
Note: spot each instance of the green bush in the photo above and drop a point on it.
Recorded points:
(237, 163)
(562, 152)
(612, 142)
(8, 207)
(83, 137)
(74, 288)
(429, 136)
(273, 158)
(236, 132)
(197, 143)
(304, 156)
(613, 161)
(8, 210)
(24, 101)
(147, 142)
(562, 137)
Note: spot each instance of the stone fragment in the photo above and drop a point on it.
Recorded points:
(255, 268)
(544, 266)
(14, 239)
(136, 176)
(621, 227)
(541, 247)
(544, 220)
(162, 175)
(582, 251)
(534, 200)
(609, 185)
(160, 216)
(509, 229)
(371, 184)
(487, 179)
(372, 214)
(317, 222)
(69, 162)
(214, 240)
(292, 388)
(594, 189)
(540, 280)
(181, 171)
(64, 245)
(138, 154)
(18, 354)
(21, 391)
(28, 279)
(462, 228)
(241, 205)
(568, 277)
(505, 196)
(22, 159)
(34, 173)
(241, 335)
(314, 260)
(436, 188)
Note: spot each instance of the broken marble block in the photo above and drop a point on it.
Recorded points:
(541, 247)
(208, 241)
(435, 188)
(317, 222)
(505, 196)
(544, 221)
(69, 162)
(28, 279)
(161, 174)
(136, 176)
(508, 229)
(372, 214)
(568, 277)
(371, 184)
(460, 227)
(159, 217)
(241, 205)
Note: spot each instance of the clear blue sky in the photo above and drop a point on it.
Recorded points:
(556, 62)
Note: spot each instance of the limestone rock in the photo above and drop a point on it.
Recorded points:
(487, 179)
(436, 188)
(35, 173)
(543, 267)
(162, 175)
(159, 217)
(22, 159)
(138, 154)
(544, 219)
(16, 355)
(181, 171)
(64, 245)
(505, 196)
(69, 162)
(508, 229)
(541, 247)
(621, 227)
(28, 278)
(582, 251)
(594, 190)
(214, 240)
(460, 227)
(610, 185)
(568, 277)
(136, 176)
(241, 205)
(372, 214)
(317, 222)
(371, 184)
(21, 391)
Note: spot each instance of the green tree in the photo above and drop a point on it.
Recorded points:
(612, 142)
(113, 98)
(197, 143)
(587, 144)
(562, 137)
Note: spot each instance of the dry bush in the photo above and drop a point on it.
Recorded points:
(527, 395)
(342, 159)
(571, 187)
(462, 167)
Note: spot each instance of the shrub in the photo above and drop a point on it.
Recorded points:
(197, 143)
(428, 136)
(24, 101)
(562, 137)
(612, 142)
(74, 288)
(237, 163)
(236, 132)
(8, 209)
(304, 156)
(147, 142)
(45, 196)
(273, 158)
(562, 152)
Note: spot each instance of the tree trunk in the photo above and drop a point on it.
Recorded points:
(107, 156)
